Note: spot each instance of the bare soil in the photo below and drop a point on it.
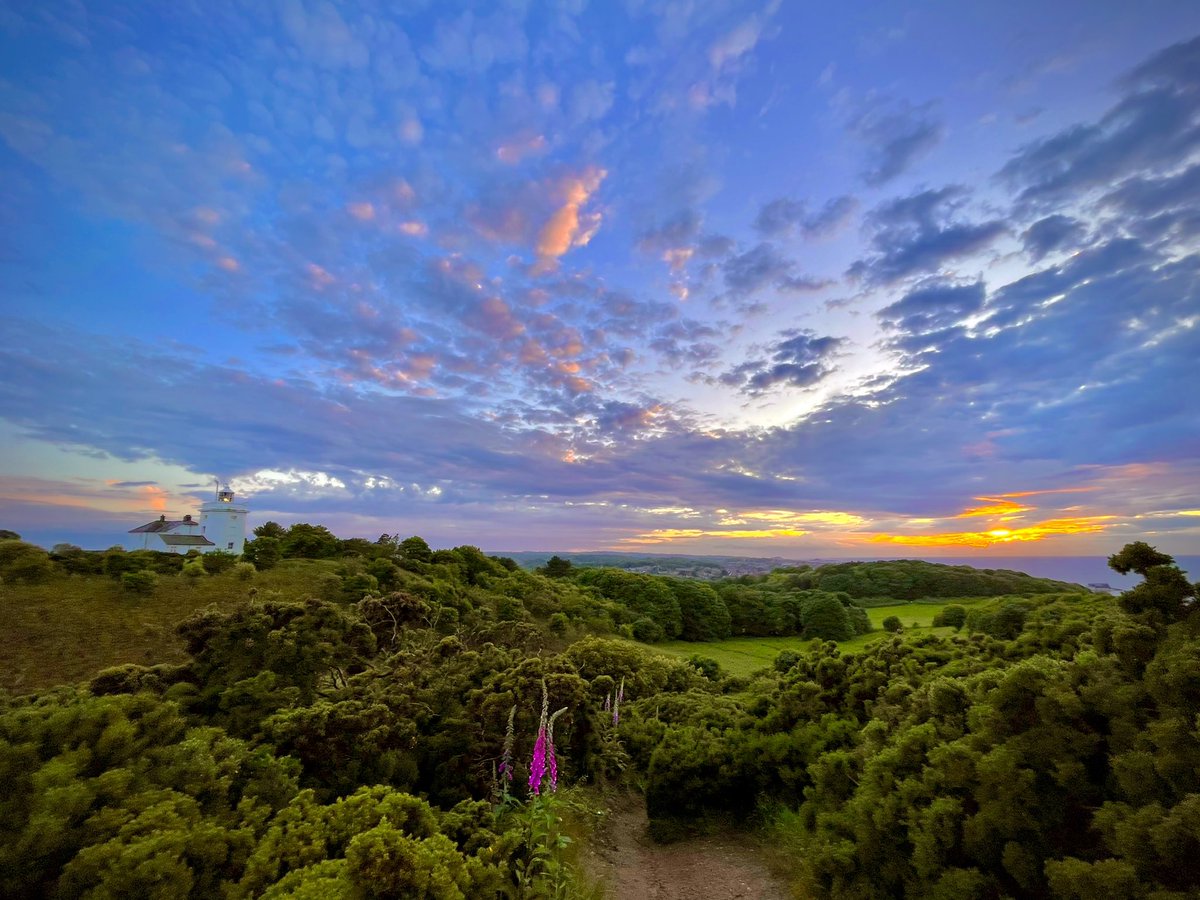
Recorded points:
(628, 865)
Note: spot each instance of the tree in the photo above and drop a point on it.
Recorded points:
(304, 541)
(264, 552)
(827, 619)
(6, 535)
(270, 529)
(1138, 557)
(892, 624)
(704, 614)
(557, 567)
(1163, 595)
(416, 550)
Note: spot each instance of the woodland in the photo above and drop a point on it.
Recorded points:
(380, 719)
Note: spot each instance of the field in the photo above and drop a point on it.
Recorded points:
(743, 655)
(69, 628)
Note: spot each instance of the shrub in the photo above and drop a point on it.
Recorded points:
(244, 571)
(786, 659)
(952, 616)
(143, 582)
(892, 624)
(194, 568)
(20, 561)
(218, 561)
(646, 630)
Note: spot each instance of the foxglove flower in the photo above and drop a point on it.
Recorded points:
(506, 770)
(537, 766)
(550, 754)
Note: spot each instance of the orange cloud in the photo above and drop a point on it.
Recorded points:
(569, 226)
(1036, 532)
(516, 149)
(229, 264)
(996, 507)
(665, 535)
(414, 228)
(677, 257)
(791, 517)
(319, 276)
(364, 212)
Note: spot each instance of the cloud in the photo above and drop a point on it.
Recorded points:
(677, 231)
(762, 266)
(933, 305)
(570, 226)
(1057, 232)
(800, 359)
(1154, 124)
(896, 133)
(919, 233)
(785, 215)
(323, 35)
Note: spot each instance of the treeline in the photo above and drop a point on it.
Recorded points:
(908, 579)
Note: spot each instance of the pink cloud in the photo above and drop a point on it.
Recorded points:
(570, 226)
(515, 149)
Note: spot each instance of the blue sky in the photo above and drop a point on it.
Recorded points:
(772, 279)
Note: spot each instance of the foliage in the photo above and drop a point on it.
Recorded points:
(892, 624)
(951, 616)
(142, 582)
(264, 552)
(346, 746)
(912, 579)
(22, 562)
(556, 567)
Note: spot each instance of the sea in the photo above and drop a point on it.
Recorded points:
(1075, 569)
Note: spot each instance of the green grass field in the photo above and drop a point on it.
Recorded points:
(743, 655)
(67, 629)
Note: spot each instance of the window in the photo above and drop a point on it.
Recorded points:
(231, 545)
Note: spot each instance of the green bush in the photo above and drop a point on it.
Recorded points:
(194, 568)
(951, 616)
(244, 571)
(892, 624)
(218, 561)
(20, 561)
(143, 582)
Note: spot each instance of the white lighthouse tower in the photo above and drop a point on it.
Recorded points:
(224, 522)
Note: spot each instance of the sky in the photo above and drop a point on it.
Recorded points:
(768, 279)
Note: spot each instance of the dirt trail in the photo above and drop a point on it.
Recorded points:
(630, 866)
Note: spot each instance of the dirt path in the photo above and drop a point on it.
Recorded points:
(632, 867)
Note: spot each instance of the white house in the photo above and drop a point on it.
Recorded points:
(222, 526)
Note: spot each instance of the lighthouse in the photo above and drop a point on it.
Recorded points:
(224, 522)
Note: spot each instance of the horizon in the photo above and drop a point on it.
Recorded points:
(736, 279)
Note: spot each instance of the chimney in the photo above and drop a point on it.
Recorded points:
(188, 517)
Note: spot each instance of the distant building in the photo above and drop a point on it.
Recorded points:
(222, 526)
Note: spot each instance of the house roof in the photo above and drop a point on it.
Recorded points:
(186, 540)
(156, 526)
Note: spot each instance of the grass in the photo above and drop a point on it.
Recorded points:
(743, 655)
(67, 629)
